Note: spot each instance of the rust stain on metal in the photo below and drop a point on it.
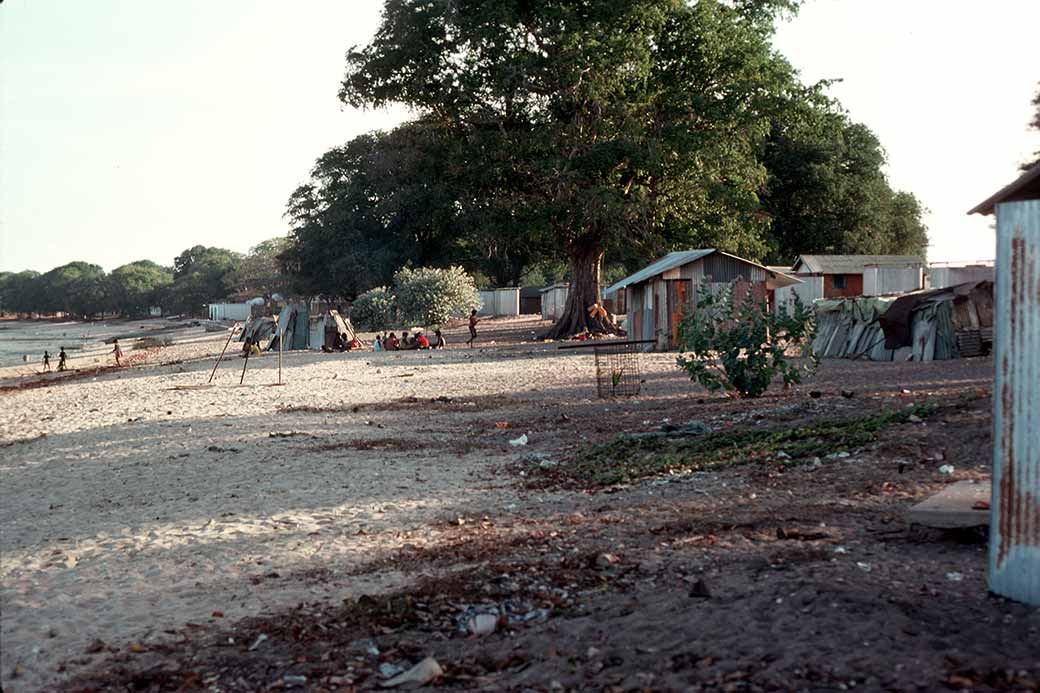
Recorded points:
(1019, 521)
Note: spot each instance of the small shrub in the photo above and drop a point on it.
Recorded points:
(432, 296)
(742, 346)
(375, 310)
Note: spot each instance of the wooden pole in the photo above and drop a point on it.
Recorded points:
(242, 379)
(221, 357)
(281, 345)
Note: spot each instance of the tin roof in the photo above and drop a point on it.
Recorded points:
(850, 264)
(685, 257)
(1025, 187)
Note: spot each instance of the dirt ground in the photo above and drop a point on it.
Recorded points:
(742, 559)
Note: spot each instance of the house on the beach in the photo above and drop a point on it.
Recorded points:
(657, 296)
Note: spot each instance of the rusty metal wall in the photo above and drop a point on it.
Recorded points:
(1014, 550)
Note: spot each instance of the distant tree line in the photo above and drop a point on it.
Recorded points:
(199, 275)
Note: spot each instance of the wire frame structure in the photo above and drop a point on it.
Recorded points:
(617, 369)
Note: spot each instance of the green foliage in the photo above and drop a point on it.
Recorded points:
(608, 125)
(432, 296)
(78, 288)
(137, 286)
(201, 275)
(261, 272)
(629, 458)
(826, 191)
(20, 292)
(739, 345)
(375, 310)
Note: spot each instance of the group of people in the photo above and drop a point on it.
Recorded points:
(63, 357)
(408, 341)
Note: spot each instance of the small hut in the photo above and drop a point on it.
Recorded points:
(1014, 546)
(657, 296)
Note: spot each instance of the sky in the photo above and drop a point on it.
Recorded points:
(133, 129)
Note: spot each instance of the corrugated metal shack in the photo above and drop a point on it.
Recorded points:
(657, 296)
(554, 300)
(1014, 546)
(929, 325)
(505, 301)
(861, 275)
(941, 275)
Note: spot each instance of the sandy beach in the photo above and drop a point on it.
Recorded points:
(143, 512)
(136, 500)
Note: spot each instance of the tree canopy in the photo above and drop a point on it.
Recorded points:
(201, 275)
(574, 130)
(137, 286)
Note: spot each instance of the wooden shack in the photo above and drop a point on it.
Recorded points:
(657, 296)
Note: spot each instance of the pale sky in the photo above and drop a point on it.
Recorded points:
(133, 129)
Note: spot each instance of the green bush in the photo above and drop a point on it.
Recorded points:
(741, 346)
(375, 310)
(431, 296)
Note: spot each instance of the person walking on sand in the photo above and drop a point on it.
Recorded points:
(61, 359)
(473, 320)
(117, 351)
(46, 360)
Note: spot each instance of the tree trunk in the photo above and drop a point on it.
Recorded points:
(586, 258)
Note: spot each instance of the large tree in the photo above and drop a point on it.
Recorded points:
(826, 191)
(20, 292)
(78, 288)
(415, 195)
(628, 122)
(261, 273)
(201, 275)
(137, 286)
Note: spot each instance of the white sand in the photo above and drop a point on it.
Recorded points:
(144, 507)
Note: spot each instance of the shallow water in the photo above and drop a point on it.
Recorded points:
(25, 341)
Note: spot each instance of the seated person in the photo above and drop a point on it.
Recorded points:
(439, 342)
(340, 342)
(391, 343)
(377, 344)
(421, 341)
(408, 342)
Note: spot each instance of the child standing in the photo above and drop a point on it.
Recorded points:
(46, 360)
(472, 327)
(117, 351)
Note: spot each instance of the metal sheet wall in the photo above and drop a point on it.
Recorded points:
(941, 277)
(722, 268)
(1014, 547)
(880, 281)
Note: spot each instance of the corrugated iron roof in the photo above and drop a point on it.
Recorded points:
(1025, 187)
(669, 261)
(684, 257)
(850, 264)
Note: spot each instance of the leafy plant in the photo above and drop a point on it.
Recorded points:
(739, 345)
(432, 296)
(376, 309)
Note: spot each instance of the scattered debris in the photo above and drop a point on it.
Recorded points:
(517, 442)
(421, 674)
(482, 624)
(259, 641)
(954, 577)
(946, 469)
